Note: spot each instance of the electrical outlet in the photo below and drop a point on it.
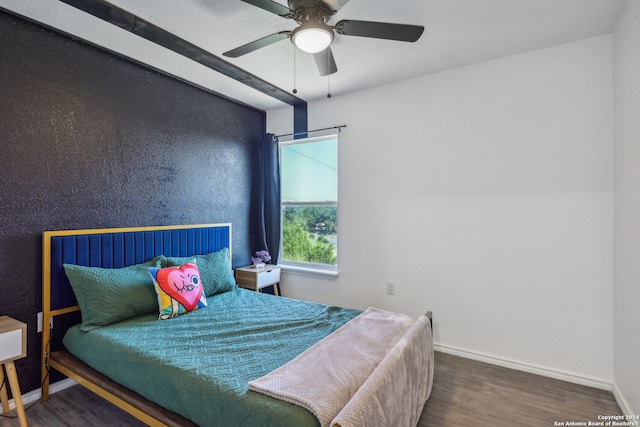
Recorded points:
(391, 288)
(40, 322)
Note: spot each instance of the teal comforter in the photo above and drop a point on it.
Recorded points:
(198, 364)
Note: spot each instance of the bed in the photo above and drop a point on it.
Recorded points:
(234, 361)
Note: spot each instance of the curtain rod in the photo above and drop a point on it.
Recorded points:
(312, 131)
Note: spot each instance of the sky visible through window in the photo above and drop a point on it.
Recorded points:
(309, 171)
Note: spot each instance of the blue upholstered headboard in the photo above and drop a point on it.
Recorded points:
(115, 248)
(112, 248)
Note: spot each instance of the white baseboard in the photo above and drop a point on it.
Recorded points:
(505, 363)
(624, 407)
(36, 394)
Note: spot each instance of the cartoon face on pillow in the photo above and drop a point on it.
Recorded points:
(179, 289)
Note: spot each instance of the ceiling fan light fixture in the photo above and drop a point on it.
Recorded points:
(312, 37)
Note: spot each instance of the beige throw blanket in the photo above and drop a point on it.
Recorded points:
(377, 369)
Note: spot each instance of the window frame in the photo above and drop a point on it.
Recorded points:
(298, 266)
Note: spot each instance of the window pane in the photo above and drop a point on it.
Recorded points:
(309, 188)
(309, 171)
(309, 234)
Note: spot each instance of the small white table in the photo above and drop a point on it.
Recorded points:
(257, 278)
(13, 345)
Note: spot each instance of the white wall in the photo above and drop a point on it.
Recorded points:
(485, 194)
(626, 60)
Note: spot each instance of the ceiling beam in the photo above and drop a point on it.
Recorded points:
(138, 26)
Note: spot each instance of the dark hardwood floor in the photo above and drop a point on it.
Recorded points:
(465, 393)
(470, 393)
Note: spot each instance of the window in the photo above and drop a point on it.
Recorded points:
(309, 199)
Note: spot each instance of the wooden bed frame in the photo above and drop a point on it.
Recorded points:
(113, 248)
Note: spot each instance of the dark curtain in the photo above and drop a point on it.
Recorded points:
(269, 227)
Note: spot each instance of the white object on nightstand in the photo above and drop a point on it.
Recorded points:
(13, 345)
(258, 278)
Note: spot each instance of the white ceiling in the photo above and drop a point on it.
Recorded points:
(458, 33)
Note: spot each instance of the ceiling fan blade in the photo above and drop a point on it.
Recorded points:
(271, 6)
(380, 30)
(325, 62)
(334, 5)
(257, 44)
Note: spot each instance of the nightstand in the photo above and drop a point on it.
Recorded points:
(257, 278)
(13, 345)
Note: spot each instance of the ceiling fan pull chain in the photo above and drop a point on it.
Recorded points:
(294, 71)
(329, 75)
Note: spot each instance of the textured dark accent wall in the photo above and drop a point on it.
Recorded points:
(90, 140)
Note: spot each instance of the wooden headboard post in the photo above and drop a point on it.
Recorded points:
(112, 248)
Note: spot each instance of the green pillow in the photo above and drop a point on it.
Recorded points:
(215, 270)
(108, 295)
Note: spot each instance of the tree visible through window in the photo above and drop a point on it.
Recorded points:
(309, 188)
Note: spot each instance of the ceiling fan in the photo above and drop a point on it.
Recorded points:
(314, 35)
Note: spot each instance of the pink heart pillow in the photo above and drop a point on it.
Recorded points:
(179, 289)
